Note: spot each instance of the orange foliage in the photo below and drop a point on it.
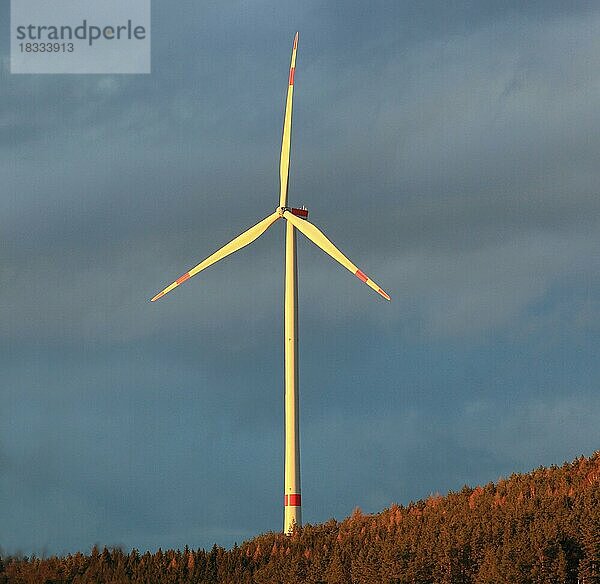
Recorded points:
(473, 497)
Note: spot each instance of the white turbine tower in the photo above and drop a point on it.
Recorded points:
(295, 219)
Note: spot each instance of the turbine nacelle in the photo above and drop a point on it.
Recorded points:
(302, 212)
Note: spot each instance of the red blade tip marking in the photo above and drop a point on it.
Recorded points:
(292, 75)
(361, 275)
(183, 278)
(384, 294)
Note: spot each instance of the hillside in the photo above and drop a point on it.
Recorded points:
(539, 527)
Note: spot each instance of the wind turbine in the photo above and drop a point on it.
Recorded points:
(295, 219)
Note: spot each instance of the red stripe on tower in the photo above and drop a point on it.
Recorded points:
(361, 275)
(292, 75)
(183, 278)
(293, 500)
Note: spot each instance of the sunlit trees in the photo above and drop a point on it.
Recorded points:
(537, 528)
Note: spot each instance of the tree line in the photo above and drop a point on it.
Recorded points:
(542, 527)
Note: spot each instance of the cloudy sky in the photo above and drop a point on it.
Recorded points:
(450, 149)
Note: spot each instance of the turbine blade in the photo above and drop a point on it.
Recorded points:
(284, 162)
(319, 239)
(238, 243)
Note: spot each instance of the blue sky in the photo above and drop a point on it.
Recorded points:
(451, 150)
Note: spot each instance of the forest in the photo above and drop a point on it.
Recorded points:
(538, 527)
